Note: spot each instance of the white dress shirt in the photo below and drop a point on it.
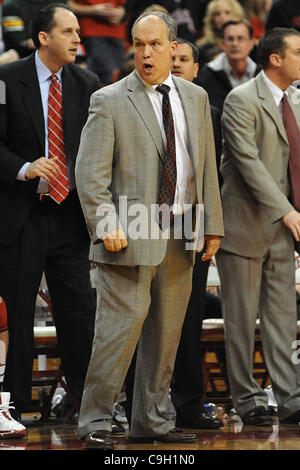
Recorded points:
(276, 92)
(185, 185)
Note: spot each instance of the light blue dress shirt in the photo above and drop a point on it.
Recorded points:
(44, 75)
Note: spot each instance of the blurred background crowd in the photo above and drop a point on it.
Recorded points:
(106, 27)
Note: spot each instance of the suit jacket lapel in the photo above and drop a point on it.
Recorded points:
(32, 98)
(269, 105)
(140, 100)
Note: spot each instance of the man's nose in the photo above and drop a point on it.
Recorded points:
(146, 52)
(76, 37)
(175, 62)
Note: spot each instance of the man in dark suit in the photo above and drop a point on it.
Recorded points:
(40, 234)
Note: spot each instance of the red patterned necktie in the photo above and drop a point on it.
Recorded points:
(59, 189)
(168, 187)
(293, 134)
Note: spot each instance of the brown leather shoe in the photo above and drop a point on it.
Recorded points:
(176, 436)
(99, 440)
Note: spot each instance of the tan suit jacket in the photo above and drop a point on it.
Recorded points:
(254, 168)
(122, 154)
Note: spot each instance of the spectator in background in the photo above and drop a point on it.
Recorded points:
(9, 55)
(256, 13)
(218, 12)
(188, 14)
(233, 66)
(103, 35)
(284, 13)
(17, 15)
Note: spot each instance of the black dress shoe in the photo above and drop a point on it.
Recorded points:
(99, 440)
(292, 419)
(176, 436)
(117, 428)
(199, 422)
(258, 416)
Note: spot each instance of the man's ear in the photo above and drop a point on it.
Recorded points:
(174, 45)
(43, 38)
(275, 60)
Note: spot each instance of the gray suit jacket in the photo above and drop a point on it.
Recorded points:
(254, 167)
(121, 155)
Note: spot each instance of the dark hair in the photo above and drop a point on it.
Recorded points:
(43, 20)
(193, 46)
(169, 21)
(235, 23)
(273, 42)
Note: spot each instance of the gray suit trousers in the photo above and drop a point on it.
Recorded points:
(144, 304)
(263, 287)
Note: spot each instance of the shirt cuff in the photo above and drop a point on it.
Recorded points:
(21, 175)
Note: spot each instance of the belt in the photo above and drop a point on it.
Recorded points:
(43, 196)
(47, 197)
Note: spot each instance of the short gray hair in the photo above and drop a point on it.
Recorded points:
(167, 19)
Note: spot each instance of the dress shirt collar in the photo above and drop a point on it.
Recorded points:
(43, 72)
(277, 93)
(152, 88)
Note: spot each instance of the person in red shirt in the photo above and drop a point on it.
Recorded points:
(103, 35)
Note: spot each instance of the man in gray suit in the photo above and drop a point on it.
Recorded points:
(256, 260)
(144, 277)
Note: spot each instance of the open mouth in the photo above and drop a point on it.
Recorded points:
(148, 67)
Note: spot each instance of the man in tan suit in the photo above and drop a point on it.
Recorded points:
(262, 219)
(144, 279)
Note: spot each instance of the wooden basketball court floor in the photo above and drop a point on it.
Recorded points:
(58, 435)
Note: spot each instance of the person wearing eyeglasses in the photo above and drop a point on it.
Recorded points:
(233, 66)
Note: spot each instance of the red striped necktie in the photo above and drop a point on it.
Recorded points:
(59, 189)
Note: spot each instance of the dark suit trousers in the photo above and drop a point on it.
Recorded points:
(53, 240)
